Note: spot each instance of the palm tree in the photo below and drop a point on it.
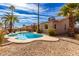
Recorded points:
(10, 18)
(70, 11)
(5, 20)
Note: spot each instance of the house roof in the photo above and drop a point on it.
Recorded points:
(51, 18)
(59, 19)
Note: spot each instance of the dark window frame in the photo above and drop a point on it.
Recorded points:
(65, 26)
(46, 26)
(55, 26)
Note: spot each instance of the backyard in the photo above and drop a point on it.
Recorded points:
(31, 32)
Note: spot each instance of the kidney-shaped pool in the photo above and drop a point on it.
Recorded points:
(25, 35)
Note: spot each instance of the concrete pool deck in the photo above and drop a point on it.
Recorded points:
(45, 37)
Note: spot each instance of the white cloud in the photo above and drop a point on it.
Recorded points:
(5, 4)
(30, 7)
(33, 8)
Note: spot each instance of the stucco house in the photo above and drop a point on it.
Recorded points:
(61, 25)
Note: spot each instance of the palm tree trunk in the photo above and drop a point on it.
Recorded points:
(11, 24)
(5, 25)
(10, 29)
(71, 29)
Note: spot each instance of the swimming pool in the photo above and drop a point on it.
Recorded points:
(25, 35)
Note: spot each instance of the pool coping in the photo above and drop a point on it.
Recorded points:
(45, 37)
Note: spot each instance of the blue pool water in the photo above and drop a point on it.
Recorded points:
(25, 35)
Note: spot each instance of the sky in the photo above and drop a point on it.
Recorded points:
(27, 13)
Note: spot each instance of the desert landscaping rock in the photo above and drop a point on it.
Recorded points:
(41, 48)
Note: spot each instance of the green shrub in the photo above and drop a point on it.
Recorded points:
(39, 31)
(1, 36)
(52, 32)
(77, 36)
(34, 28)
(46, 26)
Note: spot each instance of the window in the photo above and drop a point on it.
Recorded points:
(65, 27)
(55, 26)
(46, 26)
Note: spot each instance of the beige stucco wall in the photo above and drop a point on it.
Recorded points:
(42, 27)
(60, 25)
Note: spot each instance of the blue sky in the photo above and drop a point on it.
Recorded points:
(27, 13)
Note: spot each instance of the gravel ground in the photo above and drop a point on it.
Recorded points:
(41, 48)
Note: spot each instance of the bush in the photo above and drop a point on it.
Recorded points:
(52, 32)
(77, 36)
(39, 31)
(1, 36)
(34, 28)
(46, 26)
